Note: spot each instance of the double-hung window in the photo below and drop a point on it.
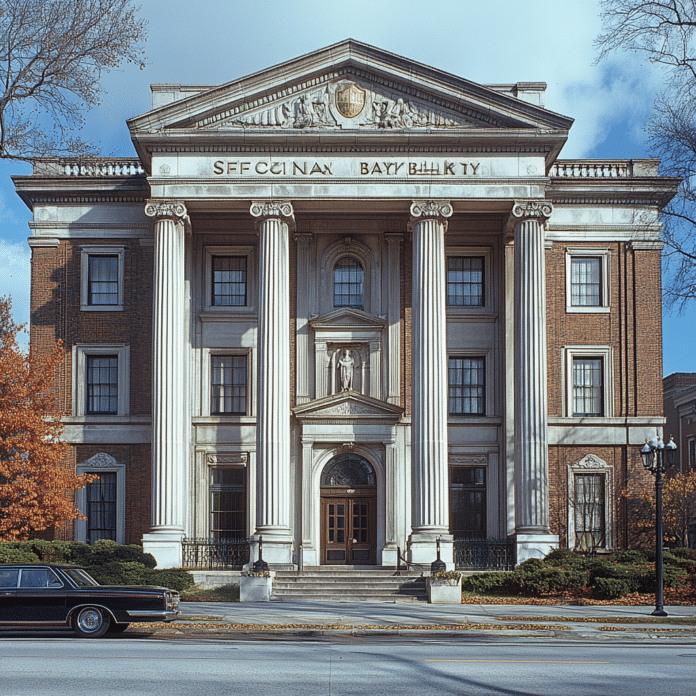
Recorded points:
(101, 508)
(228, 385)
(101, 288)
(587, 280)
(102, 384)
(349, 278)
(465, 278)
(467, 386)
(229, 281)
(468, 502)
(101, 380)
(588, 386)
(228, 503)
(589, 511)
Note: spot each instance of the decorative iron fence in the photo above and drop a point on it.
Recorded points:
(215, 554)
(484, 554)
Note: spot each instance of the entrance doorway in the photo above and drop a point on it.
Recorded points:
(348, 512)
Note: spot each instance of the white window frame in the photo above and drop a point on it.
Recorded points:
(100, 250)
(487, 356)
(606, 355)
(604, 255)
(592, 464)
(79, 370)
(485, 253)
(208, 354)
(248, 252)
(102, 463)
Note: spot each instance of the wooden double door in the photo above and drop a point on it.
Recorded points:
(348, 521)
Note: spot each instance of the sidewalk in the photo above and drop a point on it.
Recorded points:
(417, 618)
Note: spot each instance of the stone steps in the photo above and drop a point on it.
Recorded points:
(332, 584)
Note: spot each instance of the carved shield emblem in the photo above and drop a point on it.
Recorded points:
(350, 99)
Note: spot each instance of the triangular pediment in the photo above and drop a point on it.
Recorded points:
(347, 318)
(348, 87)
(348, 405)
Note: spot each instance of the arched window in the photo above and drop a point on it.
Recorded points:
(348, 283)
(348, 470)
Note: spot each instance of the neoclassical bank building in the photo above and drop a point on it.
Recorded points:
(353, 305)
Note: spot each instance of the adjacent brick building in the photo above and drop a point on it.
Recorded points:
(353, 304)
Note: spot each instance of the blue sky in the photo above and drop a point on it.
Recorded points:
(498, 42)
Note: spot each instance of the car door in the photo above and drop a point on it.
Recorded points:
(8, 592)
(40, 597)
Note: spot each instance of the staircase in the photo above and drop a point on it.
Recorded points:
(348, 583)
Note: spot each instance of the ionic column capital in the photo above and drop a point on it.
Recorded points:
(167, 209)
(283, 210)
(434, 209)
(531, 210)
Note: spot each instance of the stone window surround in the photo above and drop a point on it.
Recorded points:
(102, 463)
(251, 292)
(79, 371)
(206, 376)
(592, 464)
(604, 254)
(100, 250)
(604, 353)
(480, 252)
(489, 392)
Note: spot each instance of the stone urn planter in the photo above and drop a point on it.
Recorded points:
(255, 587)
(445, 587)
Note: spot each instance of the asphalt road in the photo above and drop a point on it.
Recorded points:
(65, 666)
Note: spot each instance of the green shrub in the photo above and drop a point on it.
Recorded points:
(611, 588)
(173, 578)
(628, 557)
(681, 561)
(118, 573)
(9, 554)
(487, 583)
(684, 553)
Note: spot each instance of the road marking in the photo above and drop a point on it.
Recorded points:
(542, 662)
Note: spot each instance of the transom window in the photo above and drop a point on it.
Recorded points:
(468, 502)
(228, 384)
(229, 281)
(102, 384)
(588, 386)
(101, 508)
(349, 279)
(467, 386)
(465, 281)
(586, 282)
(102, 280)
(228, 503)
(348, 470)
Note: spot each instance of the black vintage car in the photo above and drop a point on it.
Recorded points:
(63, 595)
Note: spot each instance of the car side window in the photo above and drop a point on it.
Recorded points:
(39, 577)
(8, 577)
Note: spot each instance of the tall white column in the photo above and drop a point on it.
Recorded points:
(531, 410)
(429, 384)
(170, 426)
(273, 219)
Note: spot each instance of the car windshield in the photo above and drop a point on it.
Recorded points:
(80, 577)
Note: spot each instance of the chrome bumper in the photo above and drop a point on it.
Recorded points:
(148, 615)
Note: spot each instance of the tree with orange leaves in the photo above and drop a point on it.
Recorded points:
(36, 490)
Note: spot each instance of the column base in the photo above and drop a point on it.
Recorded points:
(422, 549)
(532, 545)
(166, 547)
(276, 551)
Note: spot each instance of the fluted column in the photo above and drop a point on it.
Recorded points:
(273, 219)
(429, 383)
(169, 417)
(531, 411)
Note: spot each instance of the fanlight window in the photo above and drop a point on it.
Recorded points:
(348, 470)
(348, 284)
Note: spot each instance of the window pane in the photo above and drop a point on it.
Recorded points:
(468, 502)
(348, 284)
(465, 281)
(102, 280)
(586, 282)
(101, 508)
(102, 384)
(227, 503)
(588, 387)
(229, 281)
(228, 384)
(467, 386)
(589, 511)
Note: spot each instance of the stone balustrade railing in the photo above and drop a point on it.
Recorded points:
(593, 169)
(103, 167)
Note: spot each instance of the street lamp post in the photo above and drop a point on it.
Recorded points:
(653, 455)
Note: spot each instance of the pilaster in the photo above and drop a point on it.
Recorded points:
(170, 422)
(273, 221)
(394, 317)
(304, 277)
(429, 383)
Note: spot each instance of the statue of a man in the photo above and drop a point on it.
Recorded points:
(346, 363)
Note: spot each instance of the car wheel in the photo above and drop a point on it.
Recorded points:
(91, 622)
(118, 627)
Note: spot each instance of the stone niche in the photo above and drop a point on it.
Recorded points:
(348, 335)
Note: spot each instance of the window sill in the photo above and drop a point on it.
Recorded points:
(588, 310)
(102, 308)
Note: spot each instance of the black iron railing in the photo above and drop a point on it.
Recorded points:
(484, 554)
(216, 554)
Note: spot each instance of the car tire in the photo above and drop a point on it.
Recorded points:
(91, 622)
(118, 627)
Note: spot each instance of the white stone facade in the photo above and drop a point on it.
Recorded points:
(332, 192)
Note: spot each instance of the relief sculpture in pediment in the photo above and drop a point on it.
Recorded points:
(345, 104)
